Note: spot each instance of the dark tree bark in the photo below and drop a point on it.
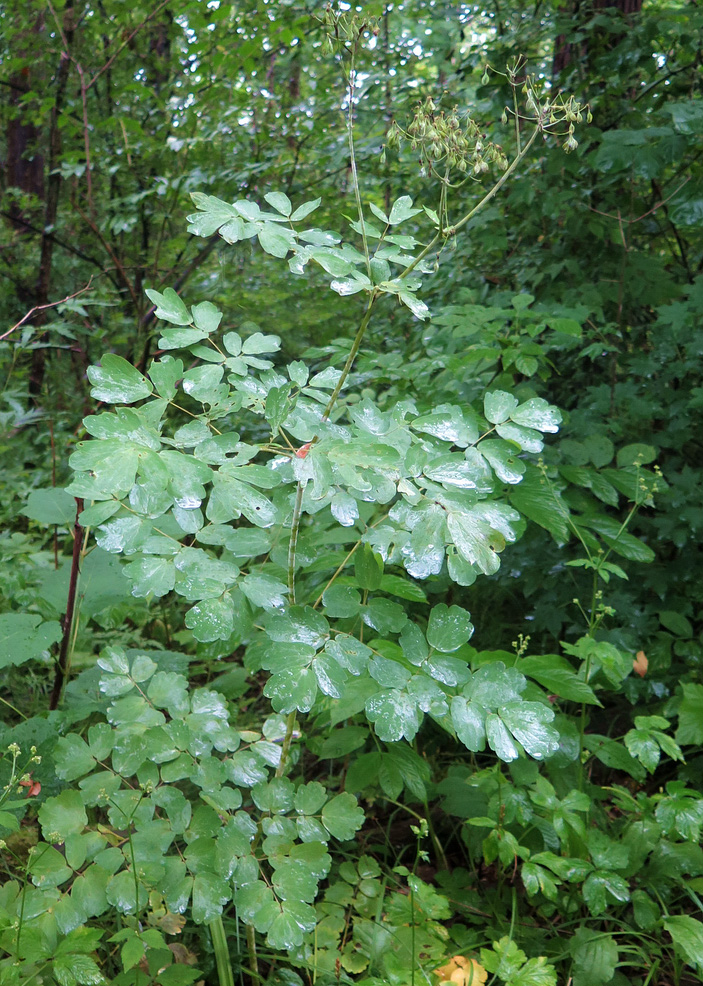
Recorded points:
(565, 50)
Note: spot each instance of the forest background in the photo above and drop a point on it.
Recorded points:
(364, 786)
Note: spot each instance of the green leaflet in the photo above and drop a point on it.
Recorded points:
(116, 381)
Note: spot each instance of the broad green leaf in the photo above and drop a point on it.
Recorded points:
(558, 680)
(210, 894)
(498, 406)
(475, 541)
(180, 338)
(169, 306)
(342, 816)
(499, 738)
(206, 316)
(455, 470)
(280, 202)
(600, 887)
(62, 816)
(537, 414)
(613, 754)
(24, 636)
(394, 715)
(276, 240)
(528, 439)
(260, 343)
(378, 213)
(637, 454)
(51, 506)
(384, 616)
(528, 722)
(287, 929)
(345, 509)
(304, 210)
(48, 867)
(542, 503)
(116, 381)
(395, 585)
(72, 757)
(201, 383)
(647, 913)
(81, 969)
(449, 424)
(504, 460)
(620, 541)
(388, 673)
(331, 261)
(230, 498)
(264, 590)
(687, 935)
(567, 326)
(416, 306)
(690, 729)
(212, 619)
(165, 374)
(341, 601)
(309, 798)
(150, 574)
(349, 653)
(401, 210)
(448, 627)
(291, 689)
(292, 880)
(368, 568)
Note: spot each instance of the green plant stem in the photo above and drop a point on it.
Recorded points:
(453, 230)
(360, 332)
(294, 530)
(298, 506)
(287, 739)
(253, 957)
(225, 975)
(352, 164)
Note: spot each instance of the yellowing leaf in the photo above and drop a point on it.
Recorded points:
(462, 971)
(640, 664)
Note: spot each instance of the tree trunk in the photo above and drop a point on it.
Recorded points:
(567, 51)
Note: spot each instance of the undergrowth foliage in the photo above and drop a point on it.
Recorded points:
(229, 481)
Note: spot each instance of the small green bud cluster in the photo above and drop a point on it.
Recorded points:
(557, 112)
(443, 138)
